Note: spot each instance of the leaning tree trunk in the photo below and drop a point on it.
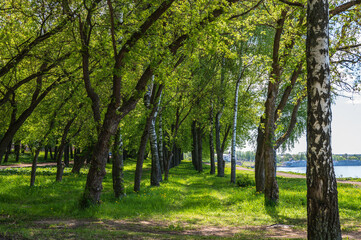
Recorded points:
(259, 170)
(220, 161)
(93, 187)
(34, 166)
(63, 144)
(118, 166)
(8, 151)
(234, 134)
(322, 203)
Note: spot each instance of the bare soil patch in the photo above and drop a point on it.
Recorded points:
(21, 165)
(277, 231)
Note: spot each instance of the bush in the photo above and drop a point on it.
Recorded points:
(245, 181)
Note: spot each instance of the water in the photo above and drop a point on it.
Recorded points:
(340, 171)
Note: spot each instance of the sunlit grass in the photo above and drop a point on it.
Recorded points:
(189, 199)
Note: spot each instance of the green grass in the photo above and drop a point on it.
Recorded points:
(26, 158)
(189, 200)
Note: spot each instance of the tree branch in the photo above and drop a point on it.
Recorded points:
(292, 124)
(344, 7)
(296, 4)
(23, 53)
(348, 47)
(288, 90)
(143, 28)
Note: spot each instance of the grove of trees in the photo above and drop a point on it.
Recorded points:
(100, 78)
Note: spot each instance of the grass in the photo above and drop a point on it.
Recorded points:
(189, 200)
(26, 158)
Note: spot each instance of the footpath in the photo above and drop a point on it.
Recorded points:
(290, 175)
(279, 174)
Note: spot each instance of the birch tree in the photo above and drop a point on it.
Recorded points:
(322, 202)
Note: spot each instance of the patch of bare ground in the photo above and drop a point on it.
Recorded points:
(290, 175)
(21, 165)
(276, 231)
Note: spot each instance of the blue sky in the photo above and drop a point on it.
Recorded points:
(346, 127)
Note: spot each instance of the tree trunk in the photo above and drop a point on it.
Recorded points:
(62, 146)
(71, 151)
(271, 186)
(16, 124)
(51, 154)
(152, 95)
(66, 155)
(155, 176)
(211, 146)
(269, 154)
(17, 150)
(118, 166)
(220, 161)
(93, 187)
(199, 155)
(140, 157)
(322, 202)
(8, 151)
(79, 160)
(234, 134)
(167, 163)
(259, 160)
(143, 145)
(195, 145)
(160, 142)
(56, 150)
(33, 167)
(46, 150)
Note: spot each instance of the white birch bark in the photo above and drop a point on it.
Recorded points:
(322, 203)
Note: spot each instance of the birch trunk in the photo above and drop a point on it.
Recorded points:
(160, 141)
(143, 143)
(156, 175)
(234, 135)
(322, 202)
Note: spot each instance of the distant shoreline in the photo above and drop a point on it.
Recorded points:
(303, 163)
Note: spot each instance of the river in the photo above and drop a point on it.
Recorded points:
(340, 171)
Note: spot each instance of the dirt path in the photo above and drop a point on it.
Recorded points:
(20, 165)
(163, 230)
(281, 174)
(290, 175)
